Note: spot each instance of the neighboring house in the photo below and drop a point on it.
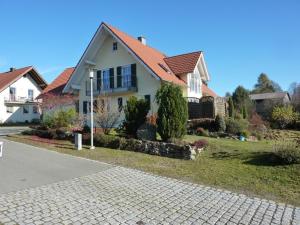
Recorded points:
(125, 66)
(266, 101)
(18, 91)
(52, 96)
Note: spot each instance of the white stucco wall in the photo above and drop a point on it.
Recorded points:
(22, 86)
(107, 58)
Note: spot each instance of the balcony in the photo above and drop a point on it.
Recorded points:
(12, 99)
(122, 86)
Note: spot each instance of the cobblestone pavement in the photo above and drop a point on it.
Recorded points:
(126, 196)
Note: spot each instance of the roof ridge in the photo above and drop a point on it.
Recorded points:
(25, 67)
(134, 38)
(184, 54)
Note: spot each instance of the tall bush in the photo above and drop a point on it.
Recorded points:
(135, 114)
(230, 107)
(220, 124)
(284, 115)
(172, 112)
(60, 118)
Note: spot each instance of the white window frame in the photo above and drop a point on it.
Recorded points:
(126, 76)
(106, 79)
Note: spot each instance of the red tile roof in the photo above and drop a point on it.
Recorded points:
(184, 63)
(149, 56)
(10, 77)
(206, 91)
(56, 87)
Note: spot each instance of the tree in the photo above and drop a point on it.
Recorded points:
(284, 115)
(230, 107)
(294, 91)
(265, 85)
(105, 116)
(135, 114)
(220, 124)
(244, 112)
(172, 112)
(240, 97)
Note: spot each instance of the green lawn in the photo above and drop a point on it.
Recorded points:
(230, 164)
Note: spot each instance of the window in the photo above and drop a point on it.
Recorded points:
(9, 109)
(86, 107)
(25, 109)
(148, 100)
(120, 104)
(115, 46)
(35, 109)
(30, 94)
(106, 81)
(126, 75)
(195, 83)
(77, 106)
(12, 93)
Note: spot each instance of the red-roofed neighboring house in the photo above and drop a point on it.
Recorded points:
(125, 66)
(53, 97)
(18, 91)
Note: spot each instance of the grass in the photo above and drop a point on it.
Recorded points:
(238, 166)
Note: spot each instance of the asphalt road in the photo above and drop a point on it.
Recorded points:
(12, 130)
(23, 166)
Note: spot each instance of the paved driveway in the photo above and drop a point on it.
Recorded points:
(117, 195)
(11, 130)
(24, 166)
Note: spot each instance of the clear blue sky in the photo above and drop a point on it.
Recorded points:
(240, 39)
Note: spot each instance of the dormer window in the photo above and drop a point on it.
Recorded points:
(115, 46)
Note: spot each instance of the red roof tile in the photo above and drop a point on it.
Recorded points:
(206, 91)
(149, 56)
(184, 63)
(56, 87)
(9, 77)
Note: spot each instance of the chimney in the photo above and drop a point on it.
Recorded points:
(11, 69)
(142, 40)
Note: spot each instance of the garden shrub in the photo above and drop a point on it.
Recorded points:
(284, 115)
(200, 143)
(202, 132)
(286, 152)
(220, 124)
(172, 112)
(108, 141)
(86, 129)
(236, 126)
(60, 118)
(135, 114)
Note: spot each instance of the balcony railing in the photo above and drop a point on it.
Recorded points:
(124, 84)
(18, 99)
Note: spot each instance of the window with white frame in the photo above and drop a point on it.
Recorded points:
(195, 83)
(126, 74)
(115, 46)
(106, 82)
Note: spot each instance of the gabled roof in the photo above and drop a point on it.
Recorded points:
(157, 63)
(7, 78)
(148, 55)
(57, 86)
(272, 95)
(184, 63)
(206, 91)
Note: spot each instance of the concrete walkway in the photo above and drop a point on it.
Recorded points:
(103, 194)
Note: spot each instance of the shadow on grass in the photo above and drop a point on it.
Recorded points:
(254, 158)
(225, 155)
(263, 159)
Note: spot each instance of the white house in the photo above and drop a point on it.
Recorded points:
(125, 66)
(18, 91)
